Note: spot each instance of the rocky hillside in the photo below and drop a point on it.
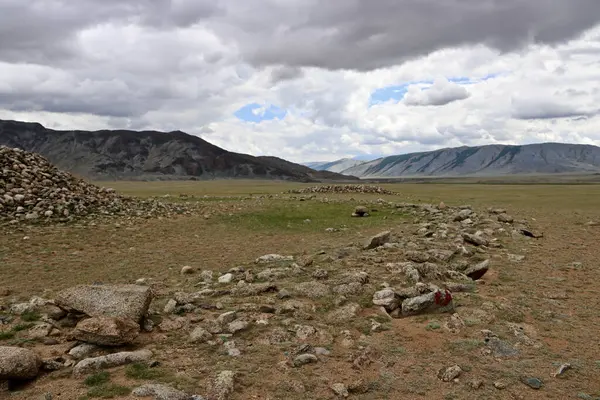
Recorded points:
(124, 154)
(492, 160)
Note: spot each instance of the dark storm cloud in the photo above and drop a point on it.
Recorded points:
(43, 31)
(367, 34)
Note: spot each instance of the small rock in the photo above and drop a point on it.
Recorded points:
(476, 384)
(476, 240)
(534, 383)
(186, 270)
(477, 271)
(378, 240)
(170, 306)
(320, 274)
(500, 385)
(340, 389)
(200, 335)
(450, 373)
(226, 278)
(83, 350)
(562, 369)
(505, 218)
(360, 211)
(304, 359)
(387, 298)
(237, 325)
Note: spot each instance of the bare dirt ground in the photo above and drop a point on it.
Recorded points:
(546, 305)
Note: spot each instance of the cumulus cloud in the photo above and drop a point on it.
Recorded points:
(511, 71)
(440, 93)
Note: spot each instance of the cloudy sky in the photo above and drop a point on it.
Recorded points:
(308, 80)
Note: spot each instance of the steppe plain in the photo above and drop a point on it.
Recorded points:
(540, 299)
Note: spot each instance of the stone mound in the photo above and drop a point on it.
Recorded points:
(343, 189)
(34, 190)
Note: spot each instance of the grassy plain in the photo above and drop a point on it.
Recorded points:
(554, 291)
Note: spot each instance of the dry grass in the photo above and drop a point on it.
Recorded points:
(411, 351)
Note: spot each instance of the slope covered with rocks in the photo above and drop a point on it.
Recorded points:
(34, 190)
(320, 325)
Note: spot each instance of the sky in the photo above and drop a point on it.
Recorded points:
(308, 80)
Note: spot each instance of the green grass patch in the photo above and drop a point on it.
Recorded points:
(292, 216)
(6, 335)
(433, 326)
(30, 316)
(142, 371)
(22, 327)
(97, 379)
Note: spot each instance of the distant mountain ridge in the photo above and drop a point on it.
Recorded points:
(149, 155)
(335, 166)
(488, 160)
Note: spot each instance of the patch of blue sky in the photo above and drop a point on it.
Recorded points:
(396, 93)
(255, 112)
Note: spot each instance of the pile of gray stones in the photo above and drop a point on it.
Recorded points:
(32, 190)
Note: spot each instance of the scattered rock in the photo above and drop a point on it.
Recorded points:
(562, 369)
(170, 306)
(226, 278)
(18, 363)
(505, 218)
(119, 301)
(387, 298)
(360, 211)
(160, 392)
(477, 271)
(106, 331)
(450, 373)
(272, 258)
(186, 270)
(476, 240)
(223, 386)
(434, 301)
(94, 364)
(83, 350)
(534, 383)
(340, 389)
(378, 240)
(304, 359)
(200, 335)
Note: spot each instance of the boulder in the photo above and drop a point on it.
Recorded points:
(90, 365)
(120, 301)
(18, 363)
(106, 331)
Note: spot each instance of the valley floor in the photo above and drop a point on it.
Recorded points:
(544, 305)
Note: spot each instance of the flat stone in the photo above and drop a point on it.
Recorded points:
(119, 301)
(106, 331)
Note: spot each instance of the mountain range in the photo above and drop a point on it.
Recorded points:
(489, 160)
(153, 155)
(149, 155)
